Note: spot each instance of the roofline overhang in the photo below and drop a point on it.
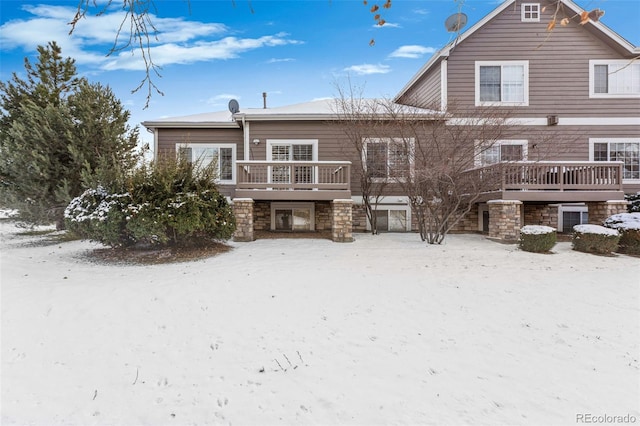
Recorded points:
(446, 50)
(191, 124)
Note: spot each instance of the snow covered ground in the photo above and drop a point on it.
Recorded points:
(385, 330)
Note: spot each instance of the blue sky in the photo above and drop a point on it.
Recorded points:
(214, 50)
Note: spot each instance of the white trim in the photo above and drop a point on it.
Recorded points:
(562, 208)
(477, 160)
(562, 121)
(293, 206)
(444, 69)
(623, 62)
(233, 147)
(271, 142)
(593, 141)
(525, 88)
(533, 6)
(446, 50)
(247, 140)
(393, 207)
(411, 153)
(155, 143)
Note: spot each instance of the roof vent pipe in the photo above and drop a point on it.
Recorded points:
(264, 100)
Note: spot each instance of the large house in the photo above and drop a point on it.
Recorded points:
(574, 95)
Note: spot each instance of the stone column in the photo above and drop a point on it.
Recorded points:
(341, 221)
(243, 211)
(599, 211)
(504, 219)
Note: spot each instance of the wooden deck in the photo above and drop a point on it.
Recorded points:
(294, 180)
(547, 181)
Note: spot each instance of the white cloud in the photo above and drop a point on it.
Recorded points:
(411, 51)
(221, 99)
(277, 60)
(367, 69)
(178, 41)
(387, 25)
(172, 53)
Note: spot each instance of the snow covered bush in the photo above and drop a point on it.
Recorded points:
(537, 239)
(634, 202)
(628, 224)
(595, 239)
(99, 216)
(167, 203)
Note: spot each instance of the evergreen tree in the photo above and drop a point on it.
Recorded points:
(59, 134)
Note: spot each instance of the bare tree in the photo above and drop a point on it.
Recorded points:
(359, 119)
(443, 150)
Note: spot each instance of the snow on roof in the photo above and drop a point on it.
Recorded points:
(321, 109)
(218, 118)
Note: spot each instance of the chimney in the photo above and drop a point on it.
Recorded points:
(264, 100)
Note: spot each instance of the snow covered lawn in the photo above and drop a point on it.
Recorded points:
(385, 330)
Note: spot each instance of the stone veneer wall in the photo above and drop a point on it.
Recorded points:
(541, 214)
(262, 216)
(243, 211)
(341, 228)
(504, 219)
(469, 223)
(359, 218)
(323, 215)
(599, 211)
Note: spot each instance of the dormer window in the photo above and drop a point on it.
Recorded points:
(530, 12)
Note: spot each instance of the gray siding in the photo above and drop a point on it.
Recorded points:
(425, 93)
(558, 65)
(168, 138)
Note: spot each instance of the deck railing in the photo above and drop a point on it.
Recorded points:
(551, 176)
(294, 175)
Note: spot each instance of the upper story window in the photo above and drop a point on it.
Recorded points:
(221, 155)
(530, 12)
(618, 149)
(614, 79)
(388, 159)
(501, 151)
(502, 83)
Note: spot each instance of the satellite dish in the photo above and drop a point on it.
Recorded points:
(234, 106)
(455, 22)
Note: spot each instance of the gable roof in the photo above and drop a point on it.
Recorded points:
(446, 50)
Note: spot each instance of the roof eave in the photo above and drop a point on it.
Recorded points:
(191, 124)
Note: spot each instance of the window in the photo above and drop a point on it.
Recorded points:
(571, 215)
(287, 150)
(530, 12)
(615, 149)
(222, 155)
(501, 151)
(292, 216)
(614, 78)
(502, 83)
(391, 220)
(388, 158)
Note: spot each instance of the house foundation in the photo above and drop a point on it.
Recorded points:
(341, 221)
(599, 211)
(505, 219)
(243, 211)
